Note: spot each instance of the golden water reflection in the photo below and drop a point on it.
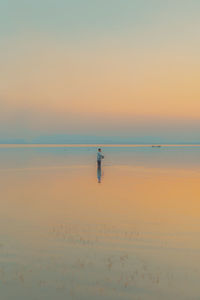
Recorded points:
(134, 236)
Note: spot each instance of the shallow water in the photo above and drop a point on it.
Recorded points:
(135, 235)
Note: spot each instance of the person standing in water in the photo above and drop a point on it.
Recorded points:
(99, 158)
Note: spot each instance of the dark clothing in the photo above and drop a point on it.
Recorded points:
(99, 163)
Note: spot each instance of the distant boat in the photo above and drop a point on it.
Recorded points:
(156, 146)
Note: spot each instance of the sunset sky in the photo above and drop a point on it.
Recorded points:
(123, 69)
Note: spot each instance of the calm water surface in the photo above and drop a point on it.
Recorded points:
(135, 235)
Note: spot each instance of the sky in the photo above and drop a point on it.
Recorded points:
(114, 70)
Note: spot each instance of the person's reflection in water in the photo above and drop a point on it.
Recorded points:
(99, 158)
(99, 173)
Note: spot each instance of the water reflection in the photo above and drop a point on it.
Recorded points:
(99, 173)
(63, 237)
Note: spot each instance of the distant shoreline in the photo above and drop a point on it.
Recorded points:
(94, 145)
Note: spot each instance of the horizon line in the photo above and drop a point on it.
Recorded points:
(94, 145)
